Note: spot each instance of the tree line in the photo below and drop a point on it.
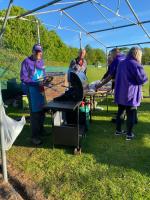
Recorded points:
(21, 35)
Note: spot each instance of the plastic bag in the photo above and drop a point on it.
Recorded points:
(11, 128)
(92, 86)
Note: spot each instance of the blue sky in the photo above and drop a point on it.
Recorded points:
(90, 18)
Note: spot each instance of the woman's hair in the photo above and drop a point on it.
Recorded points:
(136, 53)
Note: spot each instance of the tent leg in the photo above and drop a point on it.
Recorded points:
(3, 152)
(80, 38)
(106, 58)
(6, 18)
(38, 32)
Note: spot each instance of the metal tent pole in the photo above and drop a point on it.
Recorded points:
(6, 18)
(38, 32)
(49, 4)
(82, 28)
(73, 30)
(3, 152)
(112, 11)
(118, 6)
(137, 18)
(106, 19)
(118, 27)
(125, 45)
(80, 37)
(64, 28)
(106, 58)
(60, 20)
(38, 8)
(74, 5)
(41, 13)
(71, 2)
(149, 85)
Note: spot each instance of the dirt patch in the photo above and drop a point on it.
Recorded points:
(7, 192)
(19, 187)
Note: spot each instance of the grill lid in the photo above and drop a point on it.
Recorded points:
(79, 83)
(78, 88)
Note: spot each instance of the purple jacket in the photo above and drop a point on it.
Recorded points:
(32, 71)
(129, 80)
(112, 70)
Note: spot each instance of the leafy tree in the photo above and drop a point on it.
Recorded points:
(21, 35)
(95, 55)
(146, 56)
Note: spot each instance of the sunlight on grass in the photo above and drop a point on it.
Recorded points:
(109, 167)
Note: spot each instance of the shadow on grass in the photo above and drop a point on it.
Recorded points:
(145, 106)
(103, 144)
(115, 150)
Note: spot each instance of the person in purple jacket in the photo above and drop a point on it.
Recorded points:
(128, 90)
(116, 58)
(32, 75)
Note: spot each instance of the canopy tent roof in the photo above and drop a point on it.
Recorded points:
(109, 16)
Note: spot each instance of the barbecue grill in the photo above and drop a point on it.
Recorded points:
(66, 126)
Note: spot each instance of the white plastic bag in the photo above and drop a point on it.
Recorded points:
(92, 86)
(11, 128)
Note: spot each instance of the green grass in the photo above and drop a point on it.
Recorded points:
(109, 167)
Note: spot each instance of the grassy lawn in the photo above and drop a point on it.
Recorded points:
(109, 167)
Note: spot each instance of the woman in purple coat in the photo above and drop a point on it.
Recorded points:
(128, 89)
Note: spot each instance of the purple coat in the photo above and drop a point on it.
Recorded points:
(29, 68)
(129, 80)
(112, 69)
(32, 72)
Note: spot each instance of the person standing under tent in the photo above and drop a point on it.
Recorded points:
(116, 58)
(109, 61)
(78, 64)
(128, 89)
(32, 75)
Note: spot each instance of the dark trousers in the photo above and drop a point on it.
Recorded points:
(131, 113)
(37, 123)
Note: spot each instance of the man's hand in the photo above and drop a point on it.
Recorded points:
(99, 85)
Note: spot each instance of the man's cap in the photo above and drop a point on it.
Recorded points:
(37, 47)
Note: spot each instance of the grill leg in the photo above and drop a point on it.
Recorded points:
(107, 101)
(52, 115)
(77, 151)
(90, 108)
(78, 128)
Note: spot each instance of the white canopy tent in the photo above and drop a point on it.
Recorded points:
(63, 6)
